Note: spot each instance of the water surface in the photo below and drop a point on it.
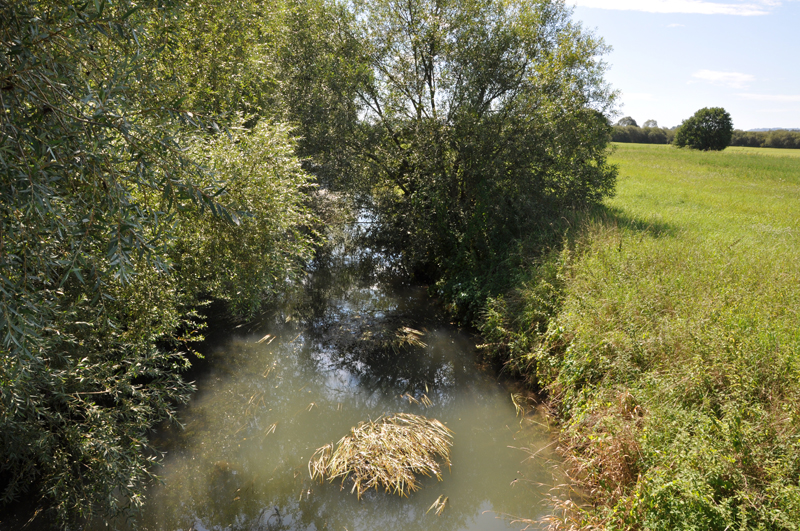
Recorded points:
(273, 393)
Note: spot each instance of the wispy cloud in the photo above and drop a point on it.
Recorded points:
(699, 7)
(730, 79)
(780, 98)
(676, 26)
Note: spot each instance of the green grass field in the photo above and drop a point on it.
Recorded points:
(667, 332)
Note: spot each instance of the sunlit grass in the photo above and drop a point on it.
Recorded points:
(768, 152)
(724, 196)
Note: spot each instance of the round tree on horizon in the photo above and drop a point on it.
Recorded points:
(628, 121)
(710, 129)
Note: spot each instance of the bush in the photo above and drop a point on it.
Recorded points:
(709, 129)
(249, 262)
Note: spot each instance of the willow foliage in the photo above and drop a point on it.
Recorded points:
(98, 189)
(481, 121)
(248, 262)
(465, 124)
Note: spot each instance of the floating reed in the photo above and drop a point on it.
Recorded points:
(405, 337)
(423, 400)
(386, 452)
(439, 505)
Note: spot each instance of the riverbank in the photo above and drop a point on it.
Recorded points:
(665, 331)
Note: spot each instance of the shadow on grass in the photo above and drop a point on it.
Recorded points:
(616, 217)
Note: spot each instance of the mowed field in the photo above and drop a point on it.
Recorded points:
(740, 193)
(672, 350)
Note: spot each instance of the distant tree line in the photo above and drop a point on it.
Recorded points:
(626, 130)
(642, 135)
(770, 139)
(660, 135)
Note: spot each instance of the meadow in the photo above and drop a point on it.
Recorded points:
(665, 332)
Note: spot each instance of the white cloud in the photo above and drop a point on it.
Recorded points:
(731, 79)
(781, 98)
(700, 7)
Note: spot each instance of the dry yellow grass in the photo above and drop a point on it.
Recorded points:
(388, 452)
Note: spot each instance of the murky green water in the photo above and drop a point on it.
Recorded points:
(262, 409)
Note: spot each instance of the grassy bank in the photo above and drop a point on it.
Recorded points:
(666, 332)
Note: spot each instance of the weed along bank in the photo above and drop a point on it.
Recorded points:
(665, 330)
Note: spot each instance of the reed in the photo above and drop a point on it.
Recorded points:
(405, 337)
(439, 505)
(388, 452)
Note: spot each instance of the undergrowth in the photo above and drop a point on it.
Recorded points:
(665, 332)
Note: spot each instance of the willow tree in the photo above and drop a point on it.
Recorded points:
(100, 197)
(480, 120)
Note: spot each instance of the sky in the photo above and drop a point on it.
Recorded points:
(673, 57)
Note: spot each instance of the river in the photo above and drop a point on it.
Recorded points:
(353, 348)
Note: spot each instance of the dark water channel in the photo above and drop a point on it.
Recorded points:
(272, 393)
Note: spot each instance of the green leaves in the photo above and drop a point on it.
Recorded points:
(107, 185)
(145, 161)
(708, 129)
(480, 120)
(241, 262)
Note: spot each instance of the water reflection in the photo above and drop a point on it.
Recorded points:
(331, 361)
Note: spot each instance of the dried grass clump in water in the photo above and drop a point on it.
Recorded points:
(387, 452)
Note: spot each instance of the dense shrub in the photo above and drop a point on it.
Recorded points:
(492, 133)
(249, 262)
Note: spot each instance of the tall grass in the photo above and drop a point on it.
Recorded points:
(667, 333)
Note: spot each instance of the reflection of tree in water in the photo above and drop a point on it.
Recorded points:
(270, 510)
(370, 334)
(240, 496)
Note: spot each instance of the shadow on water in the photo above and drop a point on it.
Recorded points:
(357, 344)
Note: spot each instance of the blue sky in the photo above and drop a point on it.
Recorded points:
(673, 57)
